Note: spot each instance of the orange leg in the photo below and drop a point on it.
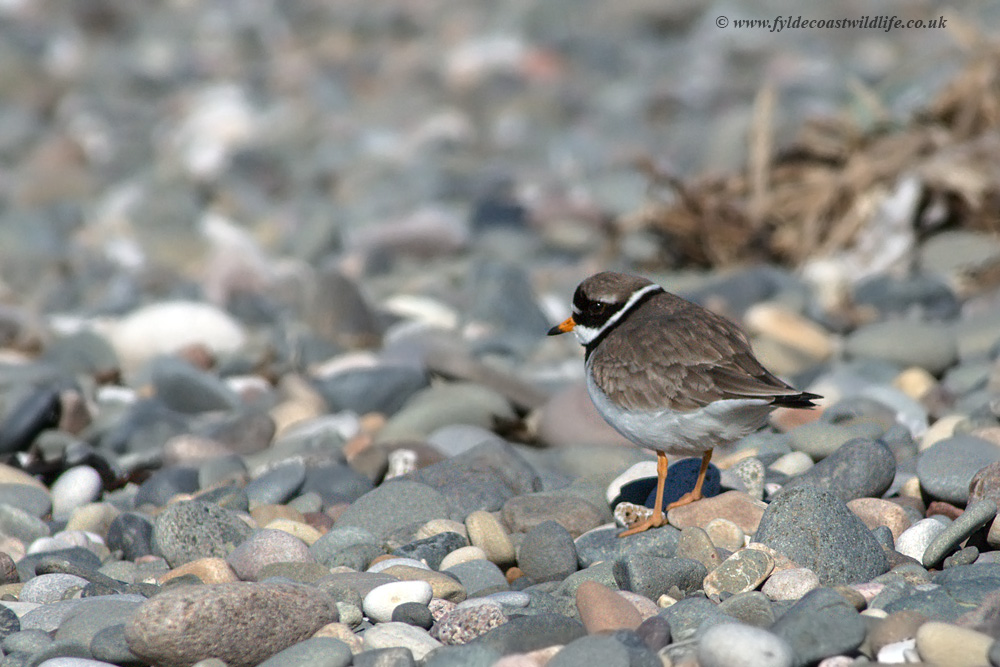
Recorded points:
(657, 519)
(694, 495)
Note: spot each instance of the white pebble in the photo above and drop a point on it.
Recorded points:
(739, 645)
(462, 555)
(390, 635)
(75, 487)
(913, 541)
(389, 562)
(382, 600)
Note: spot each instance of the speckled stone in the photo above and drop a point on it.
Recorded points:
(464, 624)
(816, 530)
(744, 571)
(182, 626)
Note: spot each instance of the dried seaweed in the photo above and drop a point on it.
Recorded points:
(818, 196)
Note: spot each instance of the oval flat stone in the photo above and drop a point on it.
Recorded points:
(313, 652)
(739, 645)
(264, 547)
(790, 584)
(952, 646)
(382, 600)
(391, 635)
(947, 467)
(602, 609)
(547, 553)
(191, 623)
(744, 571)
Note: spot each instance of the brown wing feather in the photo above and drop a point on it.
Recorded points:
(699, 358)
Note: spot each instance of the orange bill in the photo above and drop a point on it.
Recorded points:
(564, 327)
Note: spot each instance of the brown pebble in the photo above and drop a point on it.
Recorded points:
(736, 506)
(875, 512)
(319, 521)
(513, 574)
(209, 570)
(853, 597)
(895, 627)
(342, 632)
(265, 514)
(944, 509)
(603, 610)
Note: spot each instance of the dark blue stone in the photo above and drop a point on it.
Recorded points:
(681, 478)
(166, 483)
(36, 412)
(132, 534)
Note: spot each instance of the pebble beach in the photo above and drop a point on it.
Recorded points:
(275, 387)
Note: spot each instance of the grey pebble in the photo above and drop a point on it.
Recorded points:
(843, 628)
(189, 530)
(603, 544)
(312, 652)
(482, 478)
(547, 553)
(930, 345)
(592, 650)
(815, 529)
(433, 549)
(752, 608)
(820, 439)
(25, 641)
(859, 468)
(166, 483)
(110, 645)
(49, 587)
(738, 645)
(378, 510)
(479, 577)
(469, 655)
(15, 522)
(190, 390)
(530, 633)
(385, 657)
(653, 576)
(277, 485)
(383, 388)
(690, 617)
(946, 468)
(972, 519)
(33, 500)
(94, 616)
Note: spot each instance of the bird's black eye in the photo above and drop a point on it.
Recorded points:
(600, 307)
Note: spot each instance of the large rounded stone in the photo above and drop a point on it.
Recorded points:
(242, 624)
(378, 511)
(815, 529)
(190, 530)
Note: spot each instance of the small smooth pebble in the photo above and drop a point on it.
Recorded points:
(790, 584)
(738, 645)
(382, 600)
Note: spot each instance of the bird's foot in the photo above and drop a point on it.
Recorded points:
(686, 499)
(655, 520)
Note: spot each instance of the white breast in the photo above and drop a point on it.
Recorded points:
(686, 433)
